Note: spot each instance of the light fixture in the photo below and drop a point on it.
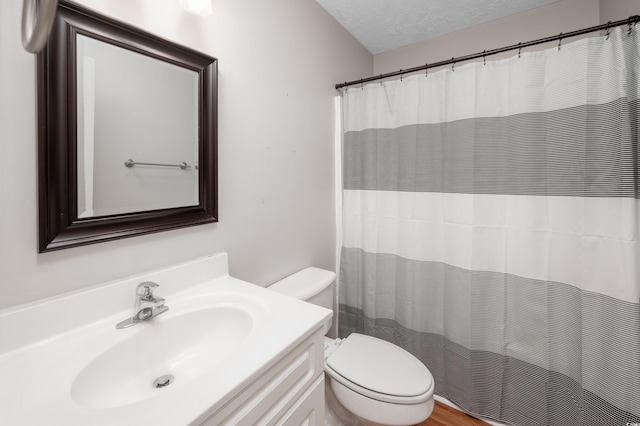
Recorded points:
(37, 20)
(198, 7)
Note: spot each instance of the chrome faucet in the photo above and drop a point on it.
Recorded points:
(147, 305)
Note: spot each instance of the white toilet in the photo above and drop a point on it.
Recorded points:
(369, 381)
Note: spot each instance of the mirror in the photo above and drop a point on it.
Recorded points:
(127, 134)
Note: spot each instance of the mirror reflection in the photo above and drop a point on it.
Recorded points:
(137, 131)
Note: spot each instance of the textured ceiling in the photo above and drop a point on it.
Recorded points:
(382, 25)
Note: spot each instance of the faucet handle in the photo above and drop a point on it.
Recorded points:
(145, 290)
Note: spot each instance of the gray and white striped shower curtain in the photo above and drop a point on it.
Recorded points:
(491, 218)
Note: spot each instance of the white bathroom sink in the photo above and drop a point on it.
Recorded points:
(173, 348)
(63, 362)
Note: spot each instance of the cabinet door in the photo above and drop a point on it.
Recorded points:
(271, 396)
(309, 409)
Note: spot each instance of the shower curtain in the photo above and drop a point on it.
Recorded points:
(490, 227)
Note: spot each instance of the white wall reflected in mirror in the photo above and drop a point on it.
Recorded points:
(132, 106)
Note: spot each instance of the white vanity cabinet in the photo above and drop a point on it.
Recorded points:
(289, 393)
(240, 354)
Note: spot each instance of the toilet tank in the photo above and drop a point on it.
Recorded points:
(313, 285)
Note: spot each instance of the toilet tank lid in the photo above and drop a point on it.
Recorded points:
(304, 284)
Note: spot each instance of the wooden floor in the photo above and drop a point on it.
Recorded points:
(443, 415)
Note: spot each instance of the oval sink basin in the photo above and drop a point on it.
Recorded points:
(185, 346)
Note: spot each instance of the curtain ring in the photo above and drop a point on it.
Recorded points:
(426, 69)
(380, 80)
(484, 57)
(608, 33)
(401, 76)
(519, 50)
(630, 28)
(560, 42)
(453, 65)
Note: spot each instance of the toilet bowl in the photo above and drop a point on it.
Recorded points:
(369, 381)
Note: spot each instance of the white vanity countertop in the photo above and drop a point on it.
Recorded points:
(47, 349)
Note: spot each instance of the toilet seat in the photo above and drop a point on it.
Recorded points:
(380, 370)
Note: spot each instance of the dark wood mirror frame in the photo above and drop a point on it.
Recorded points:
(59, 224)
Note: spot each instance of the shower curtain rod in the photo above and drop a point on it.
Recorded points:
(634, 19)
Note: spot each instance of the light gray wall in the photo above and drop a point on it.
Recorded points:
(562, 16)
(279, 60)
(613, 10)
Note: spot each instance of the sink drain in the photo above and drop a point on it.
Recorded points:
(163, 381)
